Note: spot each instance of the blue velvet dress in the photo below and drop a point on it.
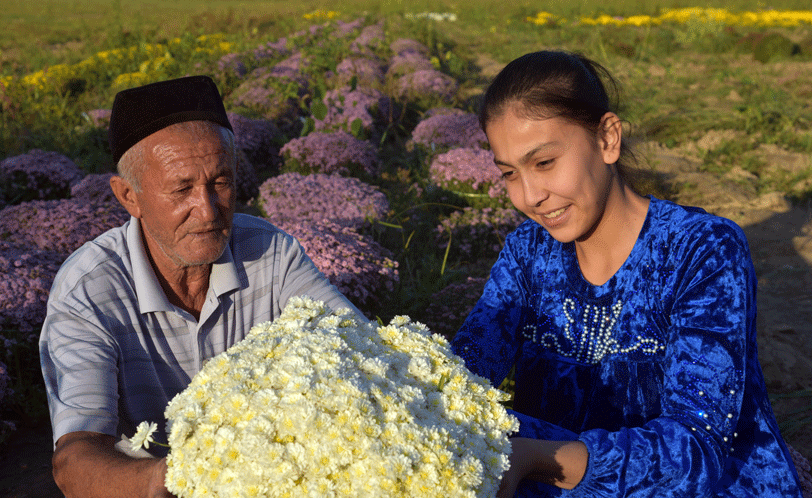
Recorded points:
(656, 370)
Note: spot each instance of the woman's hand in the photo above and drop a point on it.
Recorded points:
(558, 463)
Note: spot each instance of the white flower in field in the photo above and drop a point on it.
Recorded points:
(143, 435)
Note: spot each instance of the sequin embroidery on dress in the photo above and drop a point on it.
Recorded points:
(590, 333)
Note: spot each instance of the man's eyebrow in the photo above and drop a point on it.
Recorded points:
(529, 154)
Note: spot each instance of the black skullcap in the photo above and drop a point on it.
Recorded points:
(140, 112)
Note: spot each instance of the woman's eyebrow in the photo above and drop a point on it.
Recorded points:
(529, 155)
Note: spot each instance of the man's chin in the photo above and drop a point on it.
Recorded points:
(206, 255)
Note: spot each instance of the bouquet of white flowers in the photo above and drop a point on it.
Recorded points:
(318, 404)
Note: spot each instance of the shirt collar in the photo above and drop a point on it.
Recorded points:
(148, 291)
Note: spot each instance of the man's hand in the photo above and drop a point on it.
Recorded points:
(87, 465)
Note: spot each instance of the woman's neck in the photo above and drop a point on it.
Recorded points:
(602, 253)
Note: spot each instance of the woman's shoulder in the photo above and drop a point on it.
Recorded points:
(688, 227)
(670, 218)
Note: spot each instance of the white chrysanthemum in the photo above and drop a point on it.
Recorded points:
(320, 404)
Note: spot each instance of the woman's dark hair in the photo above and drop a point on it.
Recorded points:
(550, 84)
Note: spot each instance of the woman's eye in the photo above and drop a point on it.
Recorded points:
(544, 163)
(506, 174)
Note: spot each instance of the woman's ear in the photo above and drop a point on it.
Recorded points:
(610, 136)
(126, 195)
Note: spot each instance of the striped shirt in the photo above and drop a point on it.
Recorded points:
(114, 350)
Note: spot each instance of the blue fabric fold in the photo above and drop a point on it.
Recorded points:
(656, 370)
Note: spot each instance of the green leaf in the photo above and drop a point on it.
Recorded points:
(318, 109)
(309, 125)
(356, 127)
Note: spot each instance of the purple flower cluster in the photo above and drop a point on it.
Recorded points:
(468, 170)
(477, 233)
(345, 28)
(27, 278)
(359, 267)
(367, 71)
(232, 65)
(255, 137)
(344, 106)
(407, 63)
(59, 225)
(407, 45)
(446, 131)
(38, 174)
(449, 307)
(272, 50)
(94, 188)
(100, 118)
(372, 38)
(426, 85)
(272, 93)
(295, 64)
(335, 152)
(246, 181)
(292, 198)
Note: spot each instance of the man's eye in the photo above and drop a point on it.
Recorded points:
(506, 175)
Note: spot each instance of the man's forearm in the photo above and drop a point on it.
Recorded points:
(87, 465)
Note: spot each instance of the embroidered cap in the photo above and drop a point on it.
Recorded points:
(141, 111)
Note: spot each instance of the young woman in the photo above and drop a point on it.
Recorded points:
(629, 320)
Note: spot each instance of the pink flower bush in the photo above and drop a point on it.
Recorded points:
(292, 198)
(449, 307)
(426, 85)
(256, 138)
(469, 170)
(272, 93)
(27, 278)
(407, 63)
(60, 225)
(371, 39)
(344, 106)
(359, 267)
(94, 188)
(335, 152)
(367, 71)
(477, 234)
(272, 50)
(37, 174)
(408, 45)
(450, 130)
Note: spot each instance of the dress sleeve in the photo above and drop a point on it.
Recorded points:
(488, 340)
(712, 314)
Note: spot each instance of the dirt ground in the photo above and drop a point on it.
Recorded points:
(780, 237)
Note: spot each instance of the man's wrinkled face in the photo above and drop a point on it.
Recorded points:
(187, 196)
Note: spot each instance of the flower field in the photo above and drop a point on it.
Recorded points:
(357, 133)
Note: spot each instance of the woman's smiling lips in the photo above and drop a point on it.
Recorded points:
(552, 219)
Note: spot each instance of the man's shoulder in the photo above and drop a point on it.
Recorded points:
(253, 236)
(105, 257)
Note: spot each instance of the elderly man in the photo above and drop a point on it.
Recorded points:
(133, 314)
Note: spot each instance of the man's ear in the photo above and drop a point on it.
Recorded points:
(611, 134)
(126, 195)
